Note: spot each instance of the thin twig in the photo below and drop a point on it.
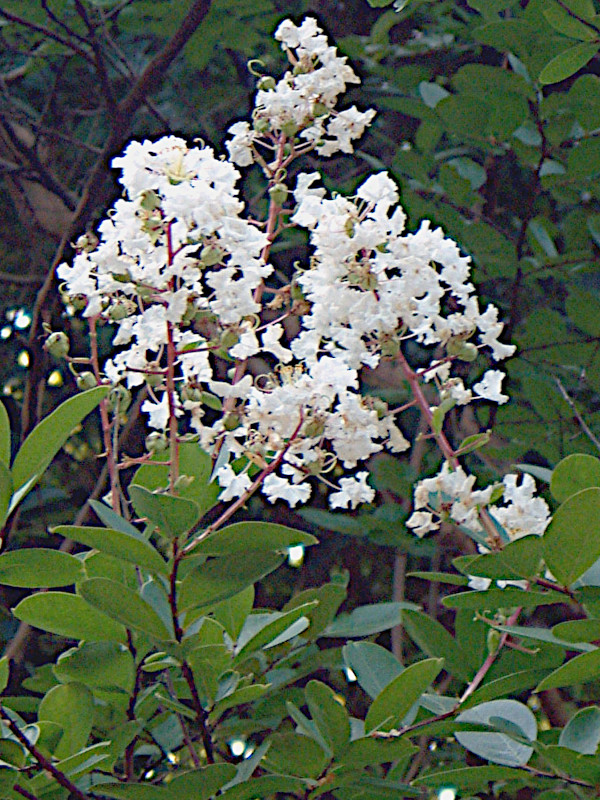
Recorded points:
(584, 426)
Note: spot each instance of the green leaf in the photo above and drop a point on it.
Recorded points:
(115, 521)
(574, 473)
(472, 778)
(71, 706)
(368, 752)
(68, 615)
(582, 732)
(392, 704)
(307, 727)
(242, 536)
(440, 577)
(194, 463)
(294, 754)
(512, 684)
(503, 598)
(568, 63)
(518, 559)
(581, 669)
(578, 630)
(565, 762)
(329, 715)
(37, 567)
(568, 24)
(329, 598)
(135, 550)
(434, 640)
(542, 635)
(5, 439)
(47, 438)
(272, 631)
(106, 665)
(125, 606)
(379, 3)
(247, 694)
(374, 666)
(233, 611)
(264, 786)
(6, 491)
(201, 784)
(499, 747)
(366, 620)
(572, 539)
(172, 515)
(4, 673)
(220, 578)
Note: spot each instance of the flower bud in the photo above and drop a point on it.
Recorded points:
(320, 109)
(149, 200)
(290, 128)
(465, 351)
(155, 377)
(122, 307)
(183, 481)
(86, 243)
(232, 421)
(390, 348)
(313, 428)
(192, 393)
(156, 442)
(86, 380)
(118, 397)
(229, 338)
(266, 83)
(261, 124)
(78, 301)
(278, 193)
(57, 344)
(211, 254)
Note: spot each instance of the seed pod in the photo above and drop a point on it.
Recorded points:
(86, 380)
(278, 193)
(57, 344)
(211, 254)
(156, 442)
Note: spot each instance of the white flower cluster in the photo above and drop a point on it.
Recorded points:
(303, 102)
(450, 496)
(181, 270)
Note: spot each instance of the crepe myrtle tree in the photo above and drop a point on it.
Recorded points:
(174, 684)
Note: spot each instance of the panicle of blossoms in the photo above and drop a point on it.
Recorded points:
(450, 496)
(301, 105)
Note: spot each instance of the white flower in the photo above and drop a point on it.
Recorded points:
(158, 412)
(234, 485)
(277, 488)
(490, 386)
(353, 492)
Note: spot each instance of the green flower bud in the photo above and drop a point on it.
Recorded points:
(290, 128)
(493, 640)
(156, 442)
(191, 393)
(86, 243)
(121, 308)
(232, 421)
(320, 109)
(57, 344)
(118, 397)
(261, 124)
(183, 481)
(86, 380)
(278, 193)
(313, 428)
(464, 351)
(155, 377)
(390, 348)
(78, 301)
(266, 83)
(211, 254)
(229, 338)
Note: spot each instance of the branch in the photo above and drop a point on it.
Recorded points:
(44, 31)
(44, 762)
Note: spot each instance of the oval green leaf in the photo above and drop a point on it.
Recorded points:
(582, 732)
(572, 540)
(500, 748)
(68, 615)
(581, 669)
(172, 515)
(243, 536)
(72, 707)
(574, 473)
(39, 567)
(568, 62)
(391, 706)
(46, 439)
(135, 550)
(125, 606)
